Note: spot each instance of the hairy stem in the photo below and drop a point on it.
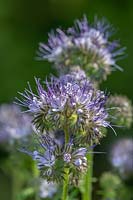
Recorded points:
(66, 170)
(65, 185)
(87, 194)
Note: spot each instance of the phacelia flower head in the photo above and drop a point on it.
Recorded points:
(84, 45)
(122, 157)
(51, 158)
(66, 101)
(122, 110)
(13, 124)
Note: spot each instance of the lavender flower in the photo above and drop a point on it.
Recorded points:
(67, 101)
(84, 45)
(51, 158)
(13, 124)
(75, 158)
(122, 110)
(122, 157)
(47, 189)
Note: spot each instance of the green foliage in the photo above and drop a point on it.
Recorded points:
(113, 188)
(110, 184)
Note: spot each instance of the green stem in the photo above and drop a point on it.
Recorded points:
(36, 175)
(66, 136)
(65, 185)
(66, 170)
(87, 194)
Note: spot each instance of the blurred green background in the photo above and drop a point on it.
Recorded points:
(23, 24)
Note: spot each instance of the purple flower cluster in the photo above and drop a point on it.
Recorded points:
(67, 101)
(51, 157)
(47, 190)
(121, 157)
(84, 45)
(13, 124)
(69, 113)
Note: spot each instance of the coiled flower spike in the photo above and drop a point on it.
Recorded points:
(51, 158)
(122, 110)
(67, 101)
(86, 46)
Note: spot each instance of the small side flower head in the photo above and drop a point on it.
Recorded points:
(52, 158)
(121, 110)
(110, 184)
(84, 45)
(108, 179)
(13, 124)
(122, 157)
(65, 100)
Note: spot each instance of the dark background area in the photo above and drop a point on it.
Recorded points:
(23, 24)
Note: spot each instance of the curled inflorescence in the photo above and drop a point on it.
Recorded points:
(66, 101)
(52, 157)
(122, 110)
(84, 45)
